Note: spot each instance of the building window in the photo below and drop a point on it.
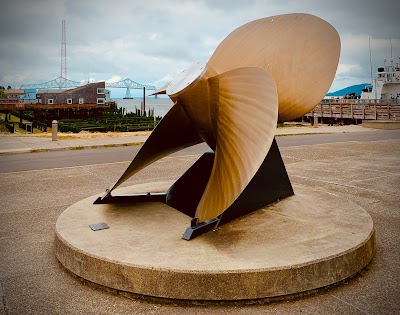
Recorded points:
(50, 101)
(101, 101)
(69, 101)
(81, 100)
(100, 91)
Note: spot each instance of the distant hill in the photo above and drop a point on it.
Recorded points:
(350, 89)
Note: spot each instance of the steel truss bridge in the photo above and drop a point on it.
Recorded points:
(63, 83)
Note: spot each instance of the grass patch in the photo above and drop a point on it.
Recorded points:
(39, 150)
(17, 128)
(290, 125)
(3, 128)
(132, 144)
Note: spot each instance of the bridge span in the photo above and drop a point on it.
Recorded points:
(63, 83)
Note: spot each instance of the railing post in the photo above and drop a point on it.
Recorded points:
(315, 120)
(144, 99)
(54, 130)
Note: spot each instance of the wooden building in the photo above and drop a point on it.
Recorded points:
(92, 93)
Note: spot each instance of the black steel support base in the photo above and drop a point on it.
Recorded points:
(270, 184)
(196, 229)
(149, 197)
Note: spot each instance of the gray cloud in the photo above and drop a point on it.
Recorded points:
(149, 42)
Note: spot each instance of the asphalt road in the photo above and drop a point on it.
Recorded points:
(69, 158)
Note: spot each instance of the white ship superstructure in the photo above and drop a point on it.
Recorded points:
(385, 86)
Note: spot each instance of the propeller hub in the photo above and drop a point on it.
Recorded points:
(187, 79)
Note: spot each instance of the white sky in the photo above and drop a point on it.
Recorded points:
(152, 41)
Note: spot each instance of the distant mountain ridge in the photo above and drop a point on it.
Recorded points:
(357, 89)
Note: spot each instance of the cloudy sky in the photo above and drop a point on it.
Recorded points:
(151, 41)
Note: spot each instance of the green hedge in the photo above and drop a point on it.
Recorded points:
(109, 122)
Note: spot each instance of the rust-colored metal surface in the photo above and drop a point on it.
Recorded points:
(269, 70)
(300, 51)
(173, 133)
(245, 102)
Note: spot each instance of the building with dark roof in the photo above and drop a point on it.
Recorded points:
(92, 93)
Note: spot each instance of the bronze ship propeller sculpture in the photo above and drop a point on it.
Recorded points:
(269, 70)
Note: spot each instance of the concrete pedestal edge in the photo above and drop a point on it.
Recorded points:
(220, 284)
(294, 281)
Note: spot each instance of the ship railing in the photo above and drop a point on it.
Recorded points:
(36, 105)
(34, 101)
(357, 109)
(359, 101)
(6, 100)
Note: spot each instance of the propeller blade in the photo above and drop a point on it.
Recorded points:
(246, 103)
(161, 90)
(173, 133)
(300, 51)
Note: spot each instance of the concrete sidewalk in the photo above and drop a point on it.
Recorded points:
(29, 143)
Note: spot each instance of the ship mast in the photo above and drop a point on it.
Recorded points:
(370, 56)
(391, 53)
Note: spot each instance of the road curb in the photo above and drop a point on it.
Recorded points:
(81, 147)
(112, 145)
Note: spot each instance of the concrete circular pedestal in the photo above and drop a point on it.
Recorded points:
(306, 241)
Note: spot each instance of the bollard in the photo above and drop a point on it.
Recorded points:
(54, 126)
(315, 120)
